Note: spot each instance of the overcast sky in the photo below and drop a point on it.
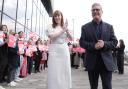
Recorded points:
(114, 12)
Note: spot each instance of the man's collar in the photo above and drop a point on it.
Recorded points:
(94, 22)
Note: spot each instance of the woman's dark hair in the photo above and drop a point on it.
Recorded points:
(1, 27)
(37, 41)
(121, 43)
(20, 32)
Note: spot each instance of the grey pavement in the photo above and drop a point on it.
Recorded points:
(79, 80)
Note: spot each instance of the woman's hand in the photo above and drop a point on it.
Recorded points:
(65, 27)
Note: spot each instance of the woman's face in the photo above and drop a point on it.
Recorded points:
(4, 28)
(21, 34)
(30, 42)
(57, 19)
(38, 42)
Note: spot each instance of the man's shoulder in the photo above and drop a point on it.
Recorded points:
(90, 24)
(107, 24)
(87, 24)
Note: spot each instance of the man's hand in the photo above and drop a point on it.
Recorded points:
(99, 44)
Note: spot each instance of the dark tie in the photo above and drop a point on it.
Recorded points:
(98, 31)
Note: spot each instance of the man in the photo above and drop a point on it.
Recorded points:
(98, 39)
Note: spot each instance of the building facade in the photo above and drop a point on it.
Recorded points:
(26, 15)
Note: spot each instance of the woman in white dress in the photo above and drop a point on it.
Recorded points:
(59, 69)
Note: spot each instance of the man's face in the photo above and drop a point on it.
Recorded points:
(96, 12)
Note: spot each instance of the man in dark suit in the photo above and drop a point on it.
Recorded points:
(98, 38)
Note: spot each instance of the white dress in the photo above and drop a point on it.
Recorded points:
(59, 69)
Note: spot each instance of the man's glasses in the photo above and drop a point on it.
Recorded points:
(95, 9)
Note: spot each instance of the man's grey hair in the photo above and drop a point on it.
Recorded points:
(96, 4)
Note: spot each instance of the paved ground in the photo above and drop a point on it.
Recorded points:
(79, 79)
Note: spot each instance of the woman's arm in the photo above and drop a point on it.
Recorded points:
(53, 36)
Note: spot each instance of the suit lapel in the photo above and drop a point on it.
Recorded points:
(94, 32)
(104, 30)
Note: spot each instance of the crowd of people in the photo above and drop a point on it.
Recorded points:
(17, 56)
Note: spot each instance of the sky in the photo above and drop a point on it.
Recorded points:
(78, 12)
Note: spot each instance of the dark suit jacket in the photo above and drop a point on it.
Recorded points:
(88, 40)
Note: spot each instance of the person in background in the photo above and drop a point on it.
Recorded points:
(30, 57)
(76, 56)
(120, 56)
(37, 57)
(45, 54)
(3, 55)
(13, 62)
(59, 69)
(17, 74)
(98, 38)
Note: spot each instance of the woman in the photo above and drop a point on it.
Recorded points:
(37, 57)
(3, 54)
(13, 62)
(120, 56)
(59, 70)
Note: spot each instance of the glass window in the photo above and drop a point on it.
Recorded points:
(39, 3)
(27, 34)
(1, 4)
(41, 8)
(34, 18)
(19, 28)
(9, 22)
(46, 22)
(28, 14)
(21, 11)
(35, 2)
(41, 26)
(38, 21)
(0, 17)
(44, 19)
(10, 7)
(39, 16)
